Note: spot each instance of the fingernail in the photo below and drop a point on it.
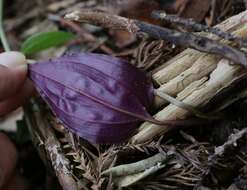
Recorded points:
(13, 59)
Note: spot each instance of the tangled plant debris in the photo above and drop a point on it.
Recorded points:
(184, 159)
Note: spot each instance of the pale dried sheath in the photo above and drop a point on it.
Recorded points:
(128, 180)
(219, 78)
(176, 65)
(137, 167)
(201, 67)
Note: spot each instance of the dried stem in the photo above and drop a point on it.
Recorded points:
(138, 27)
(195, 42)
(231, 142)
(196, 27)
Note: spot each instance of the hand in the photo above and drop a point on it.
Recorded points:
(14, 87)
(14, 90)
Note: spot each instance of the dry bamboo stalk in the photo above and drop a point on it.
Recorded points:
(205, 64)
(185, 59)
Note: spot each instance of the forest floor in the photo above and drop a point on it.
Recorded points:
(225, 171)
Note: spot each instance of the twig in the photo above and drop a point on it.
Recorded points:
(193, 41)
(191, 24)
(138, 27)
(2, 33)
(232, 141)
(84, 34)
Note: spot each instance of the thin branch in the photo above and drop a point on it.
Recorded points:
(138, 27)
(2, 33)
(231, 142)
(196, 27)
(195, 42)
(85, 35)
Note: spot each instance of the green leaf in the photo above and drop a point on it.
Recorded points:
(45, 40)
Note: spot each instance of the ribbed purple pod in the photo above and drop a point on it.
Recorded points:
(99, 97)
